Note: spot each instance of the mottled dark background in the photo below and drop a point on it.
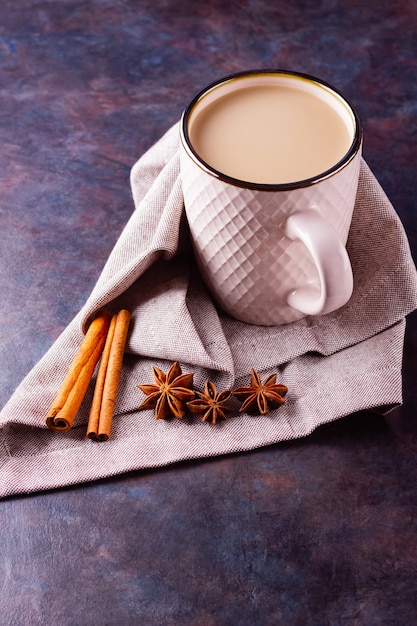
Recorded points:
(320, 531)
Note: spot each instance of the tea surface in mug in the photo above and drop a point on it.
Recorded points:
(271, 133)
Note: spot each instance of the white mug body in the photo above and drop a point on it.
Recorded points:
(272, 253)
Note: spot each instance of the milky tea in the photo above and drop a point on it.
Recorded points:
(271, 129)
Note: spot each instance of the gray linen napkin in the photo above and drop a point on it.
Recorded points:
(333, 365)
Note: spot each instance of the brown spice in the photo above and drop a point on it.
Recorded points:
(68, 400)
(169, 393)
(105, 392)
(211, 403)
(261, 396)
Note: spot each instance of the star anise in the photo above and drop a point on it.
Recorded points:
(261, 396)
(170, 392)
(211, 403)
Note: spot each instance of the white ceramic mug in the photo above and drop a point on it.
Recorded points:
(269, 168)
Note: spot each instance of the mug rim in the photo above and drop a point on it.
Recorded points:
(307, 182)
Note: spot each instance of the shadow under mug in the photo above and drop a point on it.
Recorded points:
(271, 252)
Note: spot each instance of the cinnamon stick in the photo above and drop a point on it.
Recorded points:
(65, 406)
(105, 393)
(94, 417)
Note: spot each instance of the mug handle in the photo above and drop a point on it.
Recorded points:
(331, 260)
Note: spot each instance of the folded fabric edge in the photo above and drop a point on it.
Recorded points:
(61, 468)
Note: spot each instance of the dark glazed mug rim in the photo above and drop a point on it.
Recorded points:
(186, 141)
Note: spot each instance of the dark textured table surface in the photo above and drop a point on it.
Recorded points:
(320, 531)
